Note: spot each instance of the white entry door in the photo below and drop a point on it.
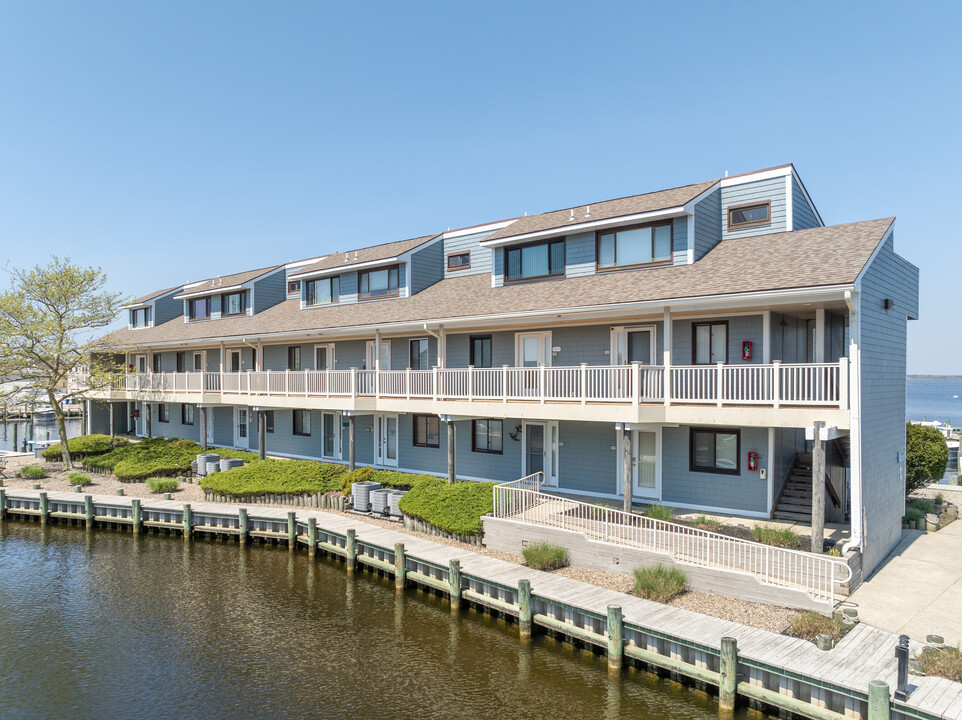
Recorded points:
(233, 361)
(324, 356)
(532, 349)
(633, 344)
(539, 450)
(331, 435)
(385, 355)
(385, 440)
(200, 361)
(645, 463)
(240, 428)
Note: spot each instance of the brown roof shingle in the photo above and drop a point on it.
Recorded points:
(818, 257)
(363, 255)
(631, 205)
(213, 284)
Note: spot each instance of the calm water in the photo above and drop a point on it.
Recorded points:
(934, 400)
(46, 431)
(103, 625)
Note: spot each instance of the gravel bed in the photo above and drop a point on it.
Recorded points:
(756, 615)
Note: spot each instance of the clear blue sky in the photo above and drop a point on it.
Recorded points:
(173, 141)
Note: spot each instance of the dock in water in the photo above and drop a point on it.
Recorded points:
(773, 670)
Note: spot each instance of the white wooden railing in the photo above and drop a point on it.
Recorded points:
(818, 575)
(772, 385)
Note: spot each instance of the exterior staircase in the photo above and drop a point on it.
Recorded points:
(795, 500)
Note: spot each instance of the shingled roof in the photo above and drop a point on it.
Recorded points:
(151, 296)
(819, 257)
(386, 251)
(632, 205)
(224, 281)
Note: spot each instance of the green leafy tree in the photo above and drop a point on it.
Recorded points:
(51, 322)
(926, 455)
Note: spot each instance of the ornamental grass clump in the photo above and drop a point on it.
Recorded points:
(913, 514)
(703, 522)
(809, 624)
(659, 583)
(660, 512)
(942, 662)
(779, 537)
(32, 472)
(79, 478)
(161, 485)
(543, 556)
(923, 506)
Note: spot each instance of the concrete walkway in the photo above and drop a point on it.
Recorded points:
(917, 591)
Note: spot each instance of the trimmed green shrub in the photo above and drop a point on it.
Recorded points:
(161, 485)
(926, 455)
(923, 506)
(387, 478)
(912, 514)
(660, 512)
(542, 556)
(85, 445)
(456, 508)
(276, 477)
(79, 478)
(32, 472)
(239, 454)
(809, 624)
(780, 537)
(147, 458)
(659, 583)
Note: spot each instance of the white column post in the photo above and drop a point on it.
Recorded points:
(666, 361)
(541, 381)
(771, 468)
(442, 347)
(843, 371)
(820, 335)
(720, 382)
(584, 383)
(470, 382)
(377, 363)
(504, 384)
(636, 383)
(767, 337)
(776, 383)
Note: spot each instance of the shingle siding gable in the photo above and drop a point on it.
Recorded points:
(772, 190)
(803, 214)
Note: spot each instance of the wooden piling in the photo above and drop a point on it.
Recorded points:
(89, 512)
(242, 526)
(728, 674)
(351, 550)
(291, 529)
(454, 582)
(818, 489)
(524, 609)
(400, 570)
(3, 504)
(879, 701)
(135, 514)
(616, 635)
(188, 521)
(44, 508)
(311, 536)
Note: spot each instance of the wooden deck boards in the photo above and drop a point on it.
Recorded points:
(866, 653)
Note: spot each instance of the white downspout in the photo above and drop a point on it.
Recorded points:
(855, 433)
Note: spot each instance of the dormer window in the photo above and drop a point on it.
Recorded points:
(323, 291)
(459, 261)
(378, 283)
(293, 287)
(140, 317)
(742, 216)
(234, 303)
(634, 247)
(198, 308)
(536, 260)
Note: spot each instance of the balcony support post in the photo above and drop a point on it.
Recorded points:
(470, 383)
(636, 383)
(626, 474)
(203, 426)
(843, 383)
(110, 406)
(818, 488)
(147, 423)
(351, 424)
(666, 359)
(452, 473)
(584, 383)
(776, 383)
(261, 435)
(504, 384)
(720, 383)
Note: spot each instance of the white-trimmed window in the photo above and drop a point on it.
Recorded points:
(302, 422)
(709, 342)
(163, 413)
(323, 291)
(742, 216)
(634, 247)
(140, 317)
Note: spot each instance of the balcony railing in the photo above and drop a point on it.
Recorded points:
(771, 385)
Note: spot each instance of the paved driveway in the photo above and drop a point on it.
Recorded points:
(918, 589)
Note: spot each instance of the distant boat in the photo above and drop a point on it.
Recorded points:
(44, 417)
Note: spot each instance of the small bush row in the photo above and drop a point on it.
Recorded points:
(79, 478)
(659, 582)
(780, 537)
